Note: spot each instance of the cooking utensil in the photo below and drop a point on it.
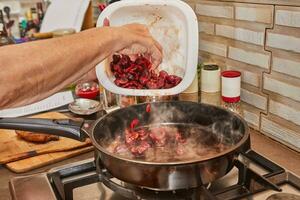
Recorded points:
(6, 9)
(42, 35)
(13, 148)
(9, 23)
(154, 175)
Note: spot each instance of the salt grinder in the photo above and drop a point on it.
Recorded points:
(231, 90)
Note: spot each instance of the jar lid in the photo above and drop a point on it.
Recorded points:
(211, 67)
(231, 74)
(231, 86)
(210, 78)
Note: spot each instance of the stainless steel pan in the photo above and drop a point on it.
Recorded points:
(158, 176)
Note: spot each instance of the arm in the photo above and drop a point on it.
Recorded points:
(33, 71)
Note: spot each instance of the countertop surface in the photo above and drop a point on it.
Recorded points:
(267, 147)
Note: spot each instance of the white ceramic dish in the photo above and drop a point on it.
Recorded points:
(85, 106)
(173, 24)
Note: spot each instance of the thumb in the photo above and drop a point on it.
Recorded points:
(106, 22)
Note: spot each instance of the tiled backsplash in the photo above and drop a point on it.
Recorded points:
(263, 42)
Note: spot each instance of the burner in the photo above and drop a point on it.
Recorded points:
(283, 196)
(60, 183)
(64, 181)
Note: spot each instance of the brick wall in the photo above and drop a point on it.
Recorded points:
(263, 42)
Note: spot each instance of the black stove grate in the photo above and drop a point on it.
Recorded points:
(249, 182)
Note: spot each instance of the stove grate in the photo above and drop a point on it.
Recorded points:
(249, 182)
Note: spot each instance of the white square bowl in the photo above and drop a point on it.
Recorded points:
(173, 24)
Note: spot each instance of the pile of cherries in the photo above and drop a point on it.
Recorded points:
(139, 140)
(139, 74)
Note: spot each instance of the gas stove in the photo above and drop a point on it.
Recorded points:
(253, 177)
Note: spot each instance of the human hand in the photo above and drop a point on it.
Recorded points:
(135, 39)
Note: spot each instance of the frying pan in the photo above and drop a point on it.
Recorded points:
(154, 175)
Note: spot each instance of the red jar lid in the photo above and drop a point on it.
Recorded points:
(87, 94)
(231, 99)
(231, 74)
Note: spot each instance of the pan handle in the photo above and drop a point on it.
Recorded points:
(60, 127)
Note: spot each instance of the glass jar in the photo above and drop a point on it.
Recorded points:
(125, 101)
(232, 106)
(88, 90)
(144, 99)
(212, 98)
(110, 99)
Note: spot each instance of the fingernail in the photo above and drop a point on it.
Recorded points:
(106, 22)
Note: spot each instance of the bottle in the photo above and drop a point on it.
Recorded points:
(10, 22)
(210, 84)
(40, 12)
(22, 27)
(35, 17)
(231, 91)
(31, 26)
(46, 3)
(4, 40)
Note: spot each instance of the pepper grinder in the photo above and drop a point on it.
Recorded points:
(210, 84)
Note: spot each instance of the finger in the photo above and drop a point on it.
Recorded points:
(134, 49)
(139, 29)
(155, 56)
(158, 45)
(146, 47)
(133, 57)
(106, 22)
(154, 51)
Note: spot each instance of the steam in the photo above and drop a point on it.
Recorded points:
(227, 131)
(165, 113)
(208, 130)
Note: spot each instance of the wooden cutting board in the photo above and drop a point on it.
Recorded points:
(28, 164)
(13, 148)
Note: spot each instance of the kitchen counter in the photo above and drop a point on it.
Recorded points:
(276, 152)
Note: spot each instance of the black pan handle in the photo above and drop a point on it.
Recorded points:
(60, 127)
